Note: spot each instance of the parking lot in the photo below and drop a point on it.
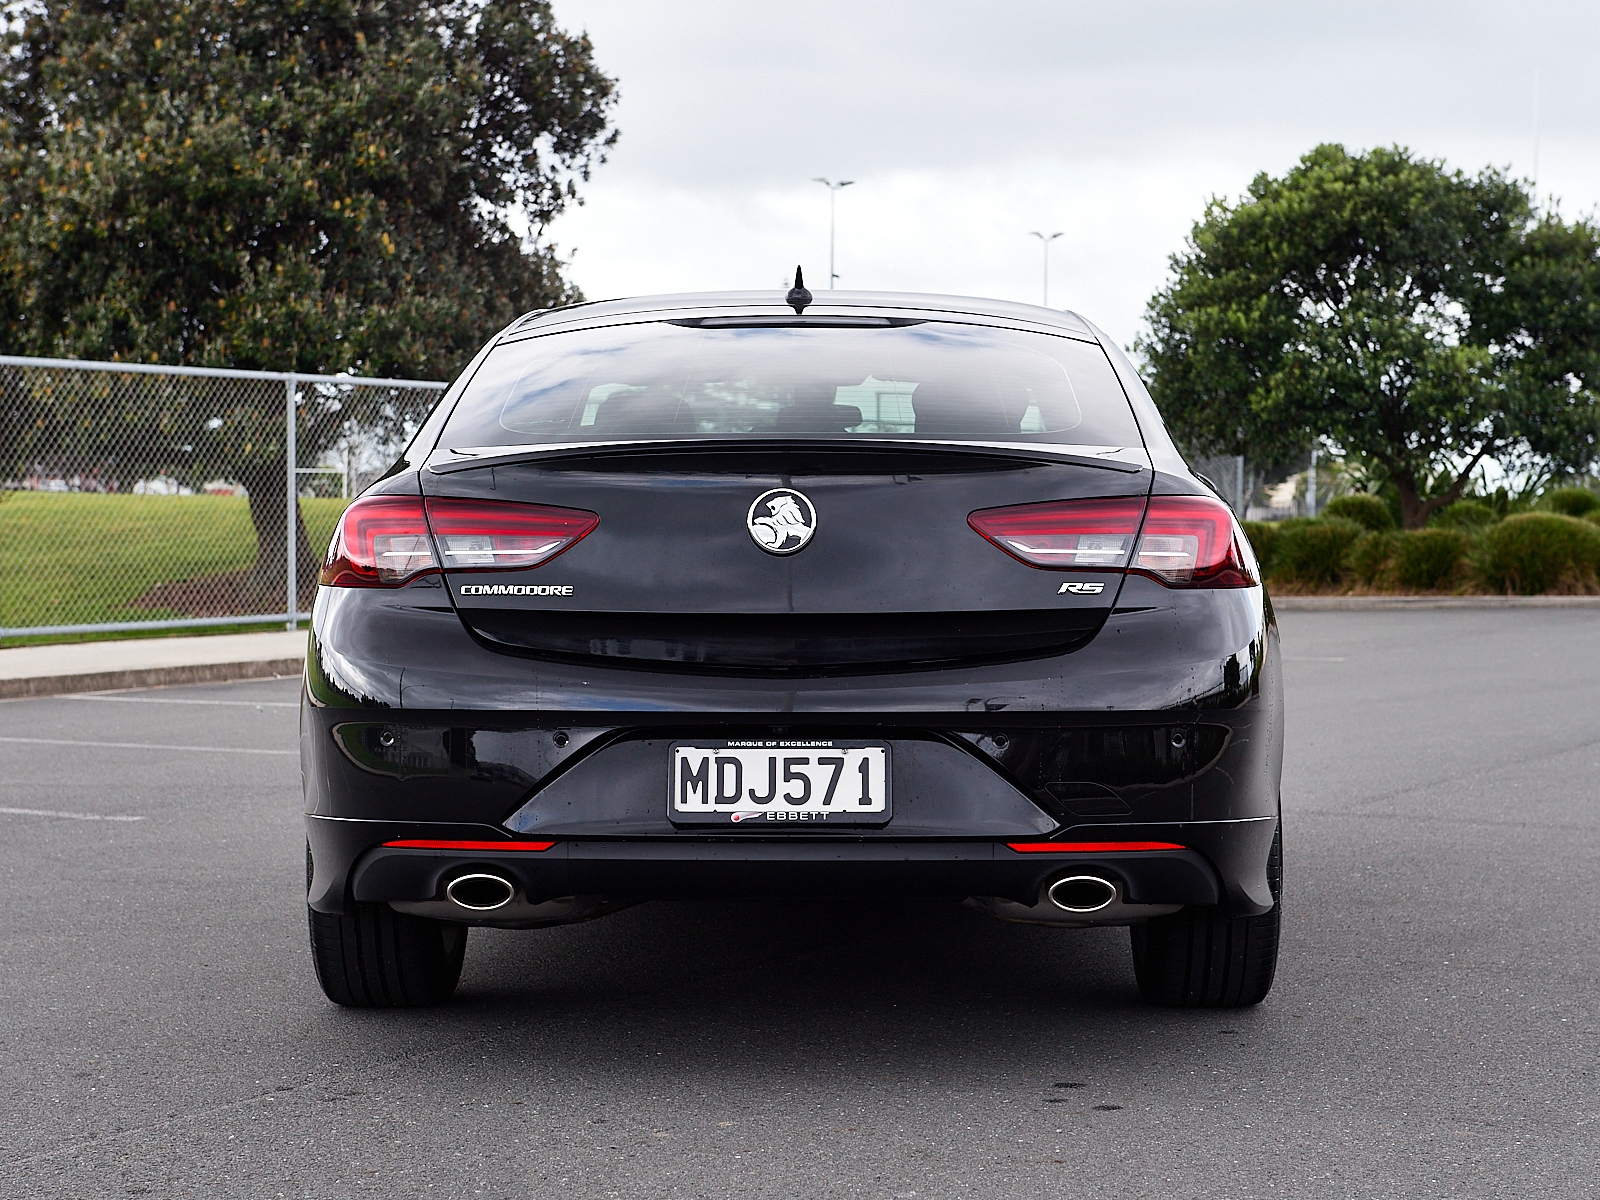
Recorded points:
(1435, 1030)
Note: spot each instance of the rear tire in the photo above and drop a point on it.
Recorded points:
(1206, 957)
(378, 958)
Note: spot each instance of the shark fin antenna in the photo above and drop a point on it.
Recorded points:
(798, 296)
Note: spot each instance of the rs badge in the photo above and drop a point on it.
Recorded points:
(1082, 589)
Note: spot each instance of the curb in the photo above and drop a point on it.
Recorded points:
(112, 681)
(1372, 603)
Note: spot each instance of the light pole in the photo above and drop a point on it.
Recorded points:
(833, 196)
(1045, 239)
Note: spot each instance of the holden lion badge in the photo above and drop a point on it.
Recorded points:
(781, 521)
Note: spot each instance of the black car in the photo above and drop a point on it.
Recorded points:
(736, 595)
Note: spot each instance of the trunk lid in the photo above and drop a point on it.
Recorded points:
(891, 576)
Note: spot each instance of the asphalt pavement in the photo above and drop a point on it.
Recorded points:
(1435, 1029)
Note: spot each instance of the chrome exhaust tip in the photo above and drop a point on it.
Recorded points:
(480, 893)
(1082, 893)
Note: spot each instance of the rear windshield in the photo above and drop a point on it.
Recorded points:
(661, 380)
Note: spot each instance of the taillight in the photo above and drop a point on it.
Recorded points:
(1065, 535)
(503, 535)
(1182, 541)
(381, 541)
(1193, 541)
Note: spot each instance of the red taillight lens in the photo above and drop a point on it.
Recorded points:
(1193, 541)
(381, 541)
(502, 535)
(1065, 535)
(1183, 541)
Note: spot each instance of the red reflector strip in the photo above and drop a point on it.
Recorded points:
(1088, 847)
(426, 844)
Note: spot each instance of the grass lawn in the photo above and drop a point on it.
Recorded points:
(72, 558)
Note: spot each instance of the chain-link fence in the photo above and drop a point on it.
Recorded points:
(144, 497)
(1232, 476)
(1301, 487)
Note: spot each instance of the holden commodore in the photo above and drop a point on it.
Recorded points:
(744, 594)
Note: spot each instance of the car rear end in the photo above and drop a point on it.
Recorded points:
(718, 600)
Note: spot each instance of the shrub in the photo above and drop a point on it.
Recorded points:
(1312, 551)
(1464, 514)
(1573, 501)
(1427, 558)
(1263, 537)
(1539, 552)
(1369, 557)
(1366, 510)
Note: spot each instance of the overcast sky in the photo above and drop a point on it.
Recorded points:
(966, 125)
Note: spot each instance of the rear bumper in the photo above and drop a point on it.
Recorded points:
(1219, 859)
(1167, 727)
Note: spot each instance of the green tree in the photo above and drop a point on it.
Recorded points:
(304, 185)
(1420, 319)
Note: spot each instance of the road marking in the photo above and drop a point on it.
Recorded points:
(71, 816)
(16, 741)
(164, 700)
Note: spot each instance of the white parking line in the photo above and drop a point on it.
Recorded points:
(20, 741)
(71, 816)
(167, 700)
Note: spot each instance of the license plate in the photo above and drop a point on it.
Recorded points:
(788, 783)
